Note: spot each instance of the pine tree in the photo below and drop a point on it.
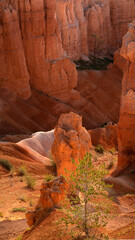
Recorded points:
(87, 204)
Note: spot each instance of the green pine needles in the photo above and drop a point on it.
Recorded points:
(87, 206)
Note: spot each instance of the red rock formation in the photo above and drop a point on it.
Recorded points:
(32, 53)
(107, 136)
(126, 125)
(13, 68)
(37, 37)
(72, 141)
(40, 112)
(52, 193)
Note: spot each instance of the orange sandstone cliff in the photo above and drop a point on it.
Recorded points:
(126, 125)
(38, 37)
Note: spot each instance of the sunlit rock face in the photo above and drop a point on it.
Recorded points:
(51, 194)
(38, 37)
(126, 126)
(72, 141)
(31, 49)
(13, 67)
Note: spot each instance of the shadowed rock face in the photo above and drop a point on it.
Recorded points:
(126, 126)
(37, 37)
(106, 136)
(72, 141)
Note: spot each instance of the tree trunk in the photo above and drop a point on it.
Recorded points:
(85, 219)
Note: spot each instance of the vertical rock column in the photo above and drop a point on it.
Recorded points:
(13, 69)
(51, 72)
(126, 125)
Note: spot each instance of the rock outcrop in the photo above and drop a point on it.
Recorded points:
(106, 136)
(72, 141)
(38, 37)
(126, 125)
(31, 49)
(52, 193)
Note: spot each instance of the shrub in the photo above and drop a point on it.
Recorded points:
(30, 181)
(6, 164)
(12, 172)
(31, 203)
(112, 151)
(109, 165)
(99, 149)
(19, 238)
(1, 215)
(93, 63)
(48, 177)
(22, 171)
(90, 212)
(51, 158)
(19, 209)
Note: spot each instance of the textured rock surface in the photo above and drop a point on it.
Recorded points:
(107, 136)
(41, 112)
(52, 193)
(72, 141)
(31, 49)
(126, 126)
(37, 37)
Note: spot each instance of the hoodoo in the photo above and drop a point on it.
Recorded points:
(67, 119)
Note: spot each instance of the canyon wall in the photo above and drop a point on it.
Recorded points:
(126, 125)
(38, 37)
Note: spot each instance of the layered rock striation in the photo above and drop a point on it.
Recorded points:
(126, 125)
(38, 37)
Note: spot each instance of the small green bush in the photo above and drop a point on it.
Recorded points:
(1, 215)
(22, 171)
(93, 63)
(6, 164)
(12, 172)
(112, 151)
(99, 149)
(31, 203)
(30, 181)
(53, 162)
(109, 165)
(19, 209)
(48, 177)
(19, 238)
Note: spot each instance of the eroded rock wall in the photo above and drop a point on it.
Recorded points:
(31, 49)
(38, 37)
(126, 126)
